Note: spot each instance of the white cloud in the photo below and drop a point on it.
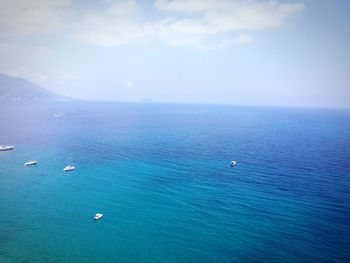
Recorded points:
(199, 23)
(20, 18)
(231, 15)
(119, 24)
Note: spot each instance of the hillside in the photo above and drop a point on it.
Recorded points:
(19, 88)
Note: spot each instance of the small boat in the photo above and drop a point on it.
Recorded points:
(98, 216)
(68, 168)
(233, 163)
(31, 162)
(57, 115)
(6, 148)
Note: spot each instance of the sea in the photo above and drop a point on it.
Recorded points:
(161, 175)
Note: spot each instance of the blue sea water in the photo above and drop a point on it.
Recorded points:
(160, 174)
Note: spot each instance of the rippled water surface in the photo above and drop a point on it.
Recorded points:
(160, 174)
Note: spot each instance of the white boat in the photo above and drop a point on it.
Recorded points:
(30, 162)
(233, 163)
(57, 115)
(68, 168)
(98, 216)
(6, 148)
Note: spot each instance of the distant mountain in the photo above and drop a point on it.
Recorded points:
(19, 88)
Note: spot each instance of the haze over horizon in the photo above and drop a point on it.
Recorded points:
(278, 53)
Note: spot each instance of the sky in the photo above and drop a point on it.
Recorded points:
(253, 52)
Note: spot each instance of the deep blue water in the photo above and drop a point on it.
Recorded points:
(161, 176)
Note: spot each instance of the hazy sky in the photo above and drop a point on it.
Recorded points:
(203, 51)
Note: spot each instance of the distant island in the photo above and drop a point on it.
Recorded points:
(12, 88)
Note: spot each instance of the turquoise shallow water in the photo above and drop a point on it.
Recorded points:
(161, 175)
